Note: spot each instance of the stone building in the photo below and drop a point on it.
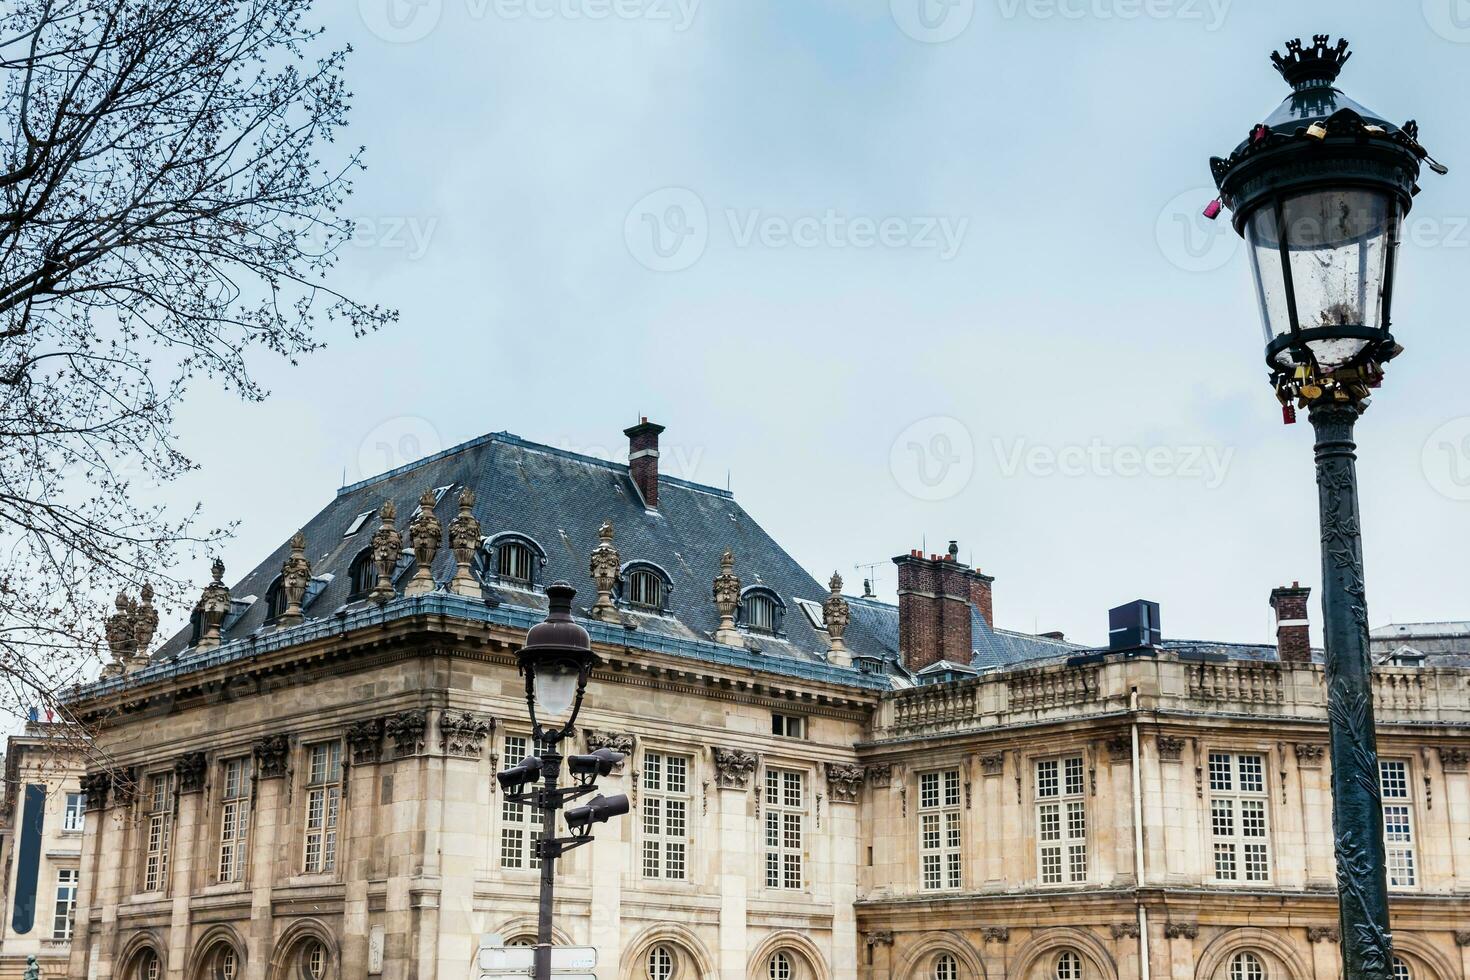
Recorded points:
(825, 787)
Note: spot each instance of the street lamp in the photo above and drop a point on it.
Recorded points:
(1319, 191)
(557, 660)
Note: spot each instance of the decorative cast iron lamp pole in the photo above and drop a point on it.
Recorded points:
(1319, 192)
(557, 660)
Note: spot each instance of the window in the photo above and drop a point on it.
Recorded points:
(1247, 966)
(1401, 970)
(1069, 966)
(362, 574)
(159, 827)
(939, 830)
(149, 967)
(357, 523)
(234, 826)
(75, 817)
(275, 601)
(1061, 821)
(67, 880)
(645, 590)
(946, 967)
(223, 963)
(314, 961)
(520, 826)
(514, 562)
(1398, 822)
(788, 726)
(323, 797)
(1238, 826)
(665, 809)
(760, 613)
(780, 967)
(785, 828)
(660, 963)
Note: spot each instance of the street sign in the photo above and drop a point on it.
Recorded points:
(567, 962)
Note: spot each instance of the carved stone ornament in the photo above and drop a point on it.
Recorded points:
(295, 577)
(1454, 760)
(733, 768)
(1120, 748)
(835, 613)
(727, 600)
(617, 741)
(1309, 755)
(96, 786)
(880, 938)
(130, 631)
(406, 729)
(387, 549)
(996, 934)
(271, 755)
(1322, 934)
(365, 741)
(463, 734)
(464, 539)
(1181, 930)
(425, 533)
(605, 566)
(1171, 749)
(1462, 938)
(993, 764)
(189, 770)
(1124, 930)
(124, 786)
(120, 636)
(844, 782)
(880, 775)
(213, 606)
(145, 623)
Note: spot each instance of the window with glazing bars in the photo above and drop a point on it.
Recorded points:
(158, 831)
(1239, 830)
(65, 916)
(1398, 822)
(1061, 821)
(785, 828)
(323, 800)
(234, 819)
(940, 836)
(665, 808)
(520, 826)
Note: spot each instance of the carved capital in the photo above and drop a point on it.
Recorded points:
(1181, 930)
(617, 741)
(1309, 754)
(1125, 930)
(1171, 749)
(189, 770)
(1120, 749)
(733, 768)
(993, 764)
(1454, 759)
(96, 785)
(406, 729)
(463, 734)
(271, 755)
(844, 782)
(365, 740)
(880, 938)
(1462, 937)
(1322, 934)
(996, 934)
(880, 775)
(124, 785)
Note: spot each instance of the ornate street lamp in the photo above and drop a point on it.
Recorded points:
(557, 660)
(1319, 191)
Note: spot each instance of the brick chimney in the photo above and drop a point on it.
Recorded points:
(1293, 631)
(982, 595)
(934, 596)
(643, 459)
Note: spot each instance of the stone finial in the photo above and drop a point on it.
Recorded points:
(121, 636)
(464, 539)
(425, 532)
(145, 623)
(835, 616)
(605, 566)
(387, 549)
(727, 600)
(213, 606)
(295, 577)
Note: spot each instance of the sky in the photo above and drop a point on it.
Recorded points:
(896, 272)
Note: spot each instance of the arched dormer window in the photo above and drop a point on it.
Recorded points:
(761, 610)
(645, 586)
(275, 601)
(515, 559)
(362, 575)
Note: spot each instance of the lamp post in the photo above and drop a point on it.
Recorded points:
(1319, 192)
(557, 660)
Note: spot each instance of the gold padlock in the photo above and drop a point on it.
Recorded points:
(1317, 131)
(1311, 392)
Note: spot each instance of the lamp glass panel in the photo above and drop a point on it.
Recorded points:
(556, 689)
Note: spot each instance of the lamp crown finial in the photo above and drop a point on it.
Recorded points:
(1319, 63)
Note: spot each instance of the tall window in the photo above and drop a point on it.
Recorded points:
(1238, 817)
(75, 817)
(645, 590)
(665, 809)
(1247, 966)
(67, 880)
(939, 830)
(362, 574)
(234, 826)
(1069, 966)
(520, 826)
(1398, 822)
(946, 967)
(159, 824)
(323, 799)
(760, 613)
(785, 828)
(514, 562)
(1061, 821)
(275, 601)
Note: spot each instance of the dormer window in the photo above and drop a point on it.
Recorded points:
(514, 563)
(362, 574)
(275, 601)
(644, 586)
(357, 523)
(761, 610)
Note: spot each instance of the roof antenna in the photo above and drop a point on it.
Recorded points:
(727, 479)
(344, 475)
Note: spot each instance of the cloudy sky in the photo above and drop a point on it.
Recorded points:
(899, 272)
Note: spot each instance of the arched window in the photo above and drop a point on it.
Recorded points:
(946, 967)
(1069, 965)
(780, 967)
(645, 589)
(223, 963)
(1247, 966)
(148, 966)
(515, 562)
(362, 574)
(660, 963)
(275, 601)
(761, 610)
(313, 960)
(1401, 970)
